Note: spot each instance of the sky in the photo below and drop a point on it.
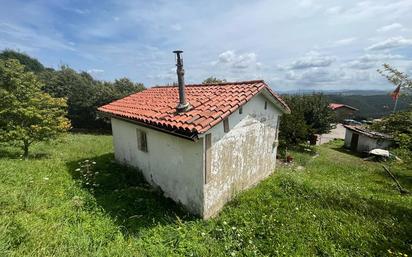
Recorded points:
(292, 45)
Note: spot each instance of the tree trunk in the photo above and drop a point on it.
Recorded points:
(26, 149)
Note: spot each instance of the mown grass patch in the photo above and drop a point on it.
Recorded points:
(338, 205)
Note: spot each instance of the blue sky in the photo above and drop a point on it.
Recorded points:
(297, 44)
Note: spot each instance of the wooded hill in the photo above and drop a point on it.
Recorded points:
(372, 106)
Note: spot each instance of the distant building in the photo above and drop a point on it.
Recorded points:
(203, 151)
(359, 139)
(343, 111)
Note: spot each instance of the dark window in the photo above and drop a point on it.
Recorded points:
(208, 155)
(141, 140)
(240, 110)
(266, 105)
(226, 125)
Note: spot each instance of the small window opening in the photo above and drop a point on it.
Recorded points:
(266, 105)
(240, 110)
(141, 140)
(226, 125)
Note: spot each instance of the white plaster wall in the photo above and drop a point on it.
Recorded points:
(172, 163)
(243, 156)
(348, 138)
(366, 143)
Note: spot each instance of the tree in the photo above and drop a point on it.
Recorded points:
(30, 64)
(83, 93)
(125, 86)
(399, 125)
(310, 115)
(79, 91)
(316, 112)
(396, 77)
(27, 114)
(213, 80)
(293, 129)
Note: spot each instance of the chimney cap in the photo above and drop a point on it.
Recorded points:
(177, 51)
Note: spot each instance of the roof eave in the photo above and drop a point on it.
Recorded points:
(271, 95)
(193, 136)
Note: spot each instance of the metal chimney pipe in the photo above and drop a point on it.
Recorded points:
(183, 105)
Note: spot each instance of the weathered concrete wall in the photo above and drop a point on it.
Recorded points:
(243, 156)
(366, 143)
(172, 163)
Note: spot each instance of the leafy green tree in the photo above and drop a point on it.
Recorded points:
(399, 125)
(30, 64)
(83, 93)
(395, 76)
(293, 129)
(310, 115)
(79, 90)
(316, 112)
(27, 114)
(125, 86)
(213, 80)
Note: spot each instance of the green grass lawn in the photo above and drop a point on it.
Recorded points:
(338, 205)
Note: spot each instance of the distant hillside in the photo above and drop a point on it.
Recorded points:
(371, 106)
(335, 92)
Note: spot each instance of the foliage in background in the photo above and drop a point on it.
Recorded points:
(83, 93)
(27, 114)
(310, 115)
(213, 80)
(399, 125)
(371, 106)
(395, 76)
(30, 64)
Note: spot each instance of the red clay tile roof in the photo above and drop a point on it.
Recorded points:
(210, 103)
(335, 106)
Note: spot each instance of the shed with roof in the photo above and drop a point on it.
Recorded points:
(343, 111)
(201, 144)
(360, 139)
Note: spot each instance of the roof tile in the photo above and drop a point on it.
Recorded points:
(210, 104)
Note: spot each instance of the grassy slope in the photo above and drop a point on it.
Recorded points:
(339, 205)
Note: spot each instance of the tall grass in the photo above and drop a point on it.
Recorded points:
(338, 205)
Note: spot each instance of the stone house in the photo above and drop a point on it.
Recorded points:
(201, 144)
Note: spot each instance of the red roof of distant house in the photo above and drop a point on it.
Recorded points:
(211, 103)
(335, 106)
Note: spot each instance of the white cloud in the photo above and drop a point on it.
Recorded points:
(176, 27)
(312, 60)
(29, 38)
(313, 76)
(95, 71)
(81, 11)
(305, 3)
(393, 42)
(334, 10)
(369, 61)
(241, 61)
(345, 41)
(227, 56)
(389, 27)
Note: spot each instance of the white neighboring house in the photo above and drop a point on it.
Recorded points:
(220, 141)
(361, 140)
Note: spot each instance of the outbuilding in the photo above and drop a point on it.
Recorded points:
(343, 111)
(361, 140)
(219, 139)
